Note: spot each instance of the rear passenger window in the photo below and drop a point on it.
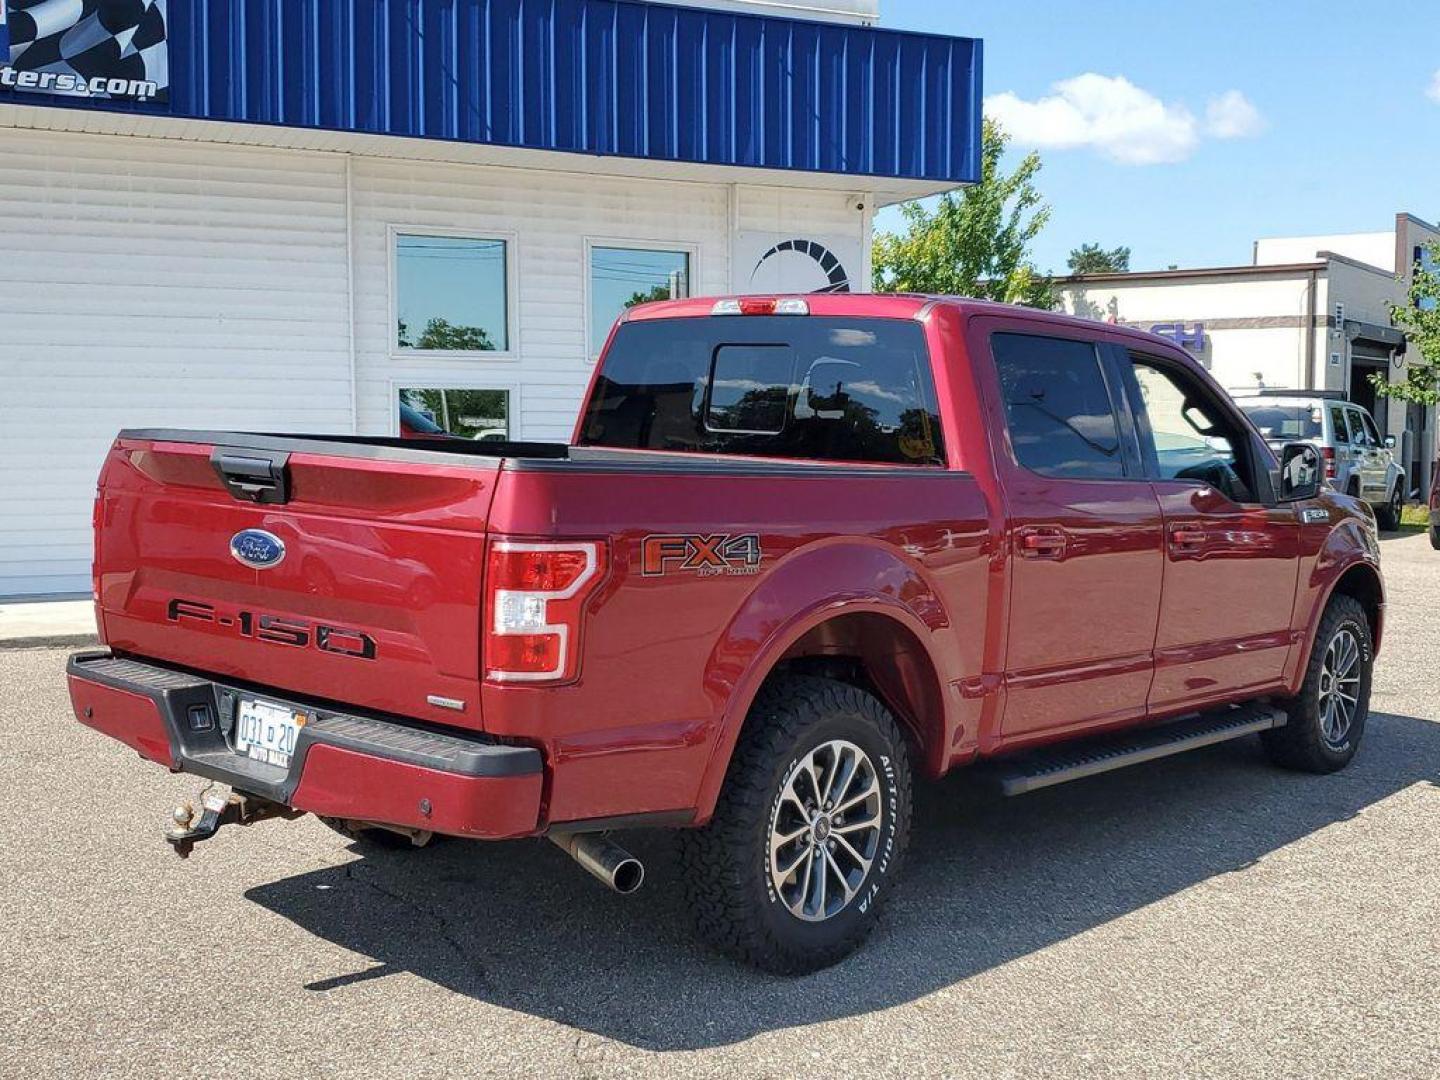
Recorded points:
(1337, 421)
(1058, 407)
(827, 389)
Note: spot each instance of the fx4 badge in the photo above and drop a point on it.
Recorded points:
(708, 556)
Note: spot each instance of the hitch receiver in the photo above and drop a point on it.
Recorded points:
(219, 808)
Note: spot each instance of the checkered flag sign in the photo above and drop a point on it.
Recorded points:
(87, 48)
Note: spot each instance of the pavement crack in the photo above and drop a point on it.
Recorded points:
(474, 965)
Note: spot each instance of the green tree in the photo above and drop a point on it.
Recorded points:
(975, 242)
(655, 292)
(1420, 319)
(444, 335)
(1093, 259)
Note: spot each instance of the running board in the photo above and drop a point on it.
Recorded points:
(1044, 768)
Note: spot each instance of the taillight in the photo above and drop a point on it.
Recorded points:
(1328, 453)
(536, 600)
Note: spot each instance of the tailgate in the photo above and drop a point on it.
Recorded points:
(358, 581)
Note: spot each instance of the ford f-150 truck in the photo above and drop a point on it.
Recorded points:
(800, 553)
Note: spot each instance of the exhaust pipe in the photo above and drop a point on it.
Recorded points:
(606, 860)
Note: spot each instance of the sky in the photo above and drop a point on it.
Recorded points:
(1186, 130)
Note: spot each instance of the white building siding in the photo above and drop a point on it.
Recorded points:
(150, 283)
(159, 283)
(548, 217)
(1234, 310)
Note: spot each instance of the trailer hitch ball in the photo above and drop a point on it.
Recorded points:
(219, 808)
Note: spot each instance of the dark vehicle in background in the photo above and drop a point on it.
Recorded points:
(1357, 460)
(416, 425)
(1435, 506)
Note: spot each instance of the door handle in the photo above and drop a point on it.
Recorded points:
(1042, 543)
(1187, 538)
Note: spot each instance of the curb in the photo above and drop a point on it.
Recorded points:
(49, 641)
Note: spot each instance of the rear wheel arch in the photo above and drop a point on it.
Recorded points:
(876, 645)
(881, 655)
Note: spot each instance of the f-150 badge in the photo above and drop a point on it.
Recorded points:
(708, 556)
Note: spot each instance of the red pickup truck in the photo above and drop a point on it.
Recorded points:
(800, 552)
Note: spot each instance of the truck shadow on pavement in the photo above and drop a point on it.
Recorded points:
(988, 880)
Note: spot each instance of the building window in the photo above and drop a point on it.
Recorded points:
(451, 294)
(453, 413)
(621, 277)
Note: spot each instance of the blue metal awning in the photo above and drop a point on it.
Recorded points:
(613, 77)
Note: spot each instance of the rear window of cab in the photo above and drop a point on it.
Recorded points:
(826, 389)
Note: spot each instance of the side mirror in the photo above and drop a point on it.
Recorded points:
(1389, 442)
(1299, 472)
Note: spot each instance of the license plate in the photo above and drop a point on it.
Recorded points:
(267, 732)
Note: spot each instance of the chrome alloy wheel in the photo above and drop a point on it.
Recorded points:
(1339, 687)
(825, 830)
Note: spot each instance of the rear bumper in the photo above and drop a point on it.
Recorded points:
(344, 765)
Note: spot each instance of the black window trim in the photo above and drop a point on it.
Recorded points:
(1124, 433)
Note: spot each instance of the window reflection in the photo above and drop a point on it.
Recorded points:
(623, 277)
(451, 413)
(450, 294)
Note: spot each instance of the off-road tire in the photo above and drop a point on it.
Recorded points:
(726, 864)
(380, 838)
(1300, 744)
(1388, 516)
(1435, 537)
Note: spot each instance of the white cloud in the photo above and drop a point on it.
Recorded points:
(1232, 116)
(1116, 118)
(1433, 91)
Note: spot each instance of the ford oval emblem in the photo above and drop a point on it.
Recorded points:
(257, 548)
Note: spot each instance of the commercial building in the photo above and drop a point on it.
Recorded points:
(1307, 312)
(363, 215)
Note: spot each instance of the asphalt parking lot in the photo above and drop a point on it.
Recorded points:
(1208, 916)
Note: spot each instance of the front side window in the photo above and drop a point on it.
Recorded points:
(453, 413)
(1058, 407)
(451, 294)
(1358, 437)
(621, 277)
(1186, 436)
(1371, 433)
(827, 389)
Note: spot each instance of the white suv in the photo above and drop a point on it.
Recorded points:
(1357, 461)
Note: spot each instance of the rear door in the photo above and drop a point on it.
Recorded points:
(1230, 560)
(356, 578)
(1345, 465)
(1375, 475)
(1084, 532)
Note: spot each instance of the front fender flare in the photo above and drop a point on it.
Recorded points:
(1345, 548)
